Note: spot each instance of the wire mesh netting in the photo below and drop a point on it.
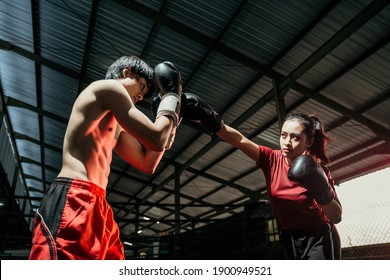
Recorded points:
(365, 228)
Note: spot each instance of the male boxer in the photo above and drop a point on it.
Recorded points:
(74, 220)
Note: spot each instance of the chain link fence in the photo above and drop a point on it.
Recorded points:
(365, 228)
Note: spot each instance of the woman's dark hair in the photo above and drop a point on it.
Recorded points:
(314, 129)
(137, 66)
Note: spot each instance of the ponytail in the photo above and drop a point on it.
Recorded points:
(320, 139)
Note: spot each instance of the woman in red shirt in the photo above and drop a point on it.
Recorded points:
(300, 187)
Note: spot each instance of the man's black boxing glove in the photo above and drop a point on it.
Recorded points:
(308, 173)
(167, 78)
(196, 109)
(167, 81)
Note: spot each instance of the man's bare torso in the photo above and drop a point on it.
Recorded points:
(89, 141)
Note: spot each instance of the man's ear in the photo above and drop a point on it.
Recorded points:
(126, 72)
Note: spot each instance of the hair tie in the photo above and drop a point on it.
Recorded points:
(317, 125)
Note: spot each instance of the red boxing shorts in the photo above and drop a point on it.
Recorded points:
(75, 222)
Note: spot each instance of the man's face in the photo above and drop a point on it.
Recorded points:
(136, 86)
(141, 89)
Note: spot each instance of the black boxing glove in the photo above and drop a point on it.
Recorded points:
(196, 109)
(308, 173)
(156, 100)
(167, 80)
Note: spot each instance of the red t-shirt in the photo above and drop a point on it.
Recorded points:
(292, 206)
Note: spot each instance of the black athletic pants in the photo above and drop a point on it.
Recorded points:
(319, 243)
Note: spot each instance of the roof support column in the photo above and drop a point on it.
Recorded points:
(279, 100)
(177, 212)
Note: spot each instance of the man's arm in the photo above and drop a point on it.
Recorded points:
(168, 81)
(152, 136)
(113, 97)
(131, 151)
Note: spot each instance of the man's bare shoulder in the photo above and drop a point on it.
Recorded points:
(101, 91)
(101, 85)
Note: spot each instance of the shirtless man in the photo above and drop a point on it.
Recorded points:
(74, 220)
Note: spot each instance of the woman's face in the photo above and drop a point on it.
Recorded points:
(293, 140)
